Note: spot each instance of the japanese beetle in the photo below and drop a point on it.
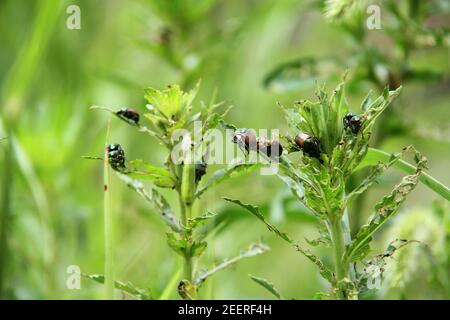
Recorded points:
(200, 170)
(245, 138)
(271, 148)
(116, 157)
(353, 122)
(310, 145)
(129, 115)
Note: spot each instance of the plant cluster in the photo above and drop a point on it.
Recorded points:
(334, 143)
(167, 111)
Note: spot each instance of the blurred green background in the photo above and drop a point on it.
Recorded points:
(50, 75)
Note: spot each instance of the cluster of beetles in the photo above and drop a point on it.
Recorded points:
(245, 138)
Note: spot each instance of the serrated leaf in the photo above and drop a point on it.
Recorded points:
(377, 171)
(376, 108)
(156, 199)
(384, 210)
(166, 211)
(253, 250)
(198, 221)
(227, 173)
(267, 285)
(324, 238)
(255, 211)
(143, 294)
(161, 177)
(327, 274)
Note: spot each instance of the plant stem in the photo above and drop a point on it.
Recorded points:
(337, 238)
(5, 213)
(109, 255)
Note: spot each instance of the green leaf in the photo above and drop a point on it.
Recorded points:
(166, 211)
(197, 248)
(177, 245)
(255, 211)
(267, 285)
(301, 73)
(375, 266)
(156, 199)
(324, 238)
(377, 171)
(161, 177)
(327, 274)
(253, 250)
(198, 221)
(376, 108)
(227, 173)
(143, 294)
(384, 210)
(374, 156)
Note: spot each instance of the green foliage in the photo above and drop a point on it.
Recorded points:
(127, 287)
(253, 250)
(319, 179)
(268, 286)
(168, 110)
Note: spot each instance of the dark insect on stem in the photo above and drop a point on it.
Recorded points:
(129, 115)
(353, 122)
(245, 138)
(116, 157)
(200, 170)
(309, 144)
(271, 148)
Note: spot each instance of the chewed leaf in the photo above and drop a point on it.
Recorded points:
(384, 210)
(376, 108)
(267, 285)
(166, 211)
(324, 238)
(255, 211)
(227, 173)
(161, 177)
(323, 270)
(254, 250)
(198, 221)
(156, 199)
(327, 274)
(374, 267)
(143, 294)
(301, 73)
(377, 171)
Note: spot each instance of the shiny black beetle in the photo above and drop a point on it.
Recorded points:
(129, 115)
(116, 157)
(309, 144)
(353, 122)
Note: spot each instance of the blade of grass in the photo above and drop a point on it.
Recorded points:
(374, 156)
(109, 254)
(171, 285)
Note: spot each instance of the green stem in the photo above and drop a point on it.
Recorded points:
(338, 241)
(5, 213)
(109, 254)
